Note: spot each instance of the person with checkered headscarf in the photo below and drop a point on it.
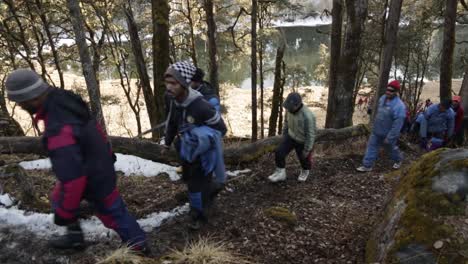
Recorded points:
(198, 128)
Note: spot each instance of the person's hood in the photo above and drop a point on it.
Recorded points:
(192, 96)
(66, 105)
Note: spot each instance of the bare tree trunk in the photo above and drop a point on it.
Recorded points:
(87, 65)
(160, 13)
(46, 26)
(335, 51)
(192, 34)
(212, 49)
(253, 63)
(283, 81)
(390, 40)
(446, 62)
(262, 90)
(464, 89)
(275, 104)
(347, 67)
(141, 67)
(96, 47)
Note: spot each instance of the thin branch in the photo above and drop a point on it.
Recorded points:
(464, 4)
(231, 28)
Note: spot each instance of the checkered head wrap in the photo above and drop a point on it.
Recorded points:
(182, 71)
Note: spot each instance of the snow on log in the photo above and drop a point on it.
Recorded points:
(245, 152)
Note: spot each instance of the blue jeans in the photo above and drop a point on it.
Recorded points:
(372, 152)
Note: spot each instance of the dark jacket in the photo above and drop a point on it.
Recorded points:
(79, 151)
(193, 111)
(209, 94)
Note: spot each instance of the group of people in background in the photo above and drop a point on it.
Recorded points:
(83, 161)
(435, 126)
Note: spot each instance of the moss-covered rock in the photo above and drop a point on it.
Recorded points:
(432, 191)
(282, 215)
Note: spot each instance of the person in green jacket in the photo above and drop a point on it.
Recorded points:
(299, 132)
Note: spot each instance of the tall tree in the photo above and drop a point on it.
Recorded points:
(275, 105)
(347, 69)
(212, 49)
(390, 40)
(160, 14)
(253, 63)
(87, 65)
(335, 51)
(145, 82)
(446, 63)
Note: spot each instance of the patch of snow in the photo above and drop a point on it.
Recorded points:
(131, 165)
(128, 164)
(40, 164)
(6, 200)
(42, 224)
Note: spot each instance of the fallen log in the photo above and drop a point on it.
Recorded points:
(243, 153)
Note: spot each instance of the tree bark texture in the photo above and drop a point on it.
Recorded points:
(141, 67)
(342, 96)
(335, 51)
(212, 49)
(253, 63)
(390, 41)
(150, 150)
(160, 13)
(275, 104)
(448, 46)
(87, 65)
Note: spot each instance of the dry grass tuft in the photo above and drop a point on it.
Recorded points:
(206, 251)
(126, 255)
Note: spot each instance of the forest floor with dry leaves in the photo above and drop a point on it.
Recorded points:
(327, 219)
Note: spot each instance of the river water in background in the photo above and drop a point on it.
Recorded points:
(302, 55)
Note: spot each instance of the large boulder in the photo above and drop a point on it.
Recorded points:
(426, 220)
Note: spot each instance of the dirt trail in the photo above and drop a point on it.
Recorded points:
(335, 212)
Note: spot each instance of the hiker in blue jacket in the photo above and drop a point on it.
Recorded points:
(81, 157)
(437, 126)
(391, 114)
(209, 95)
(199, 128)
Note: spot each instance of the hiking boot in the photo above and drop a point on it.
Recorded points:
(364, 169)
(396, 165)
(279, 175)
(303, 176)
(197, 219)
(73, 239)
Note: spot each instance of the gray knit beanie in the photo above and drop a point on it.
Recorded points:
(182, 71)
(24, 84)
